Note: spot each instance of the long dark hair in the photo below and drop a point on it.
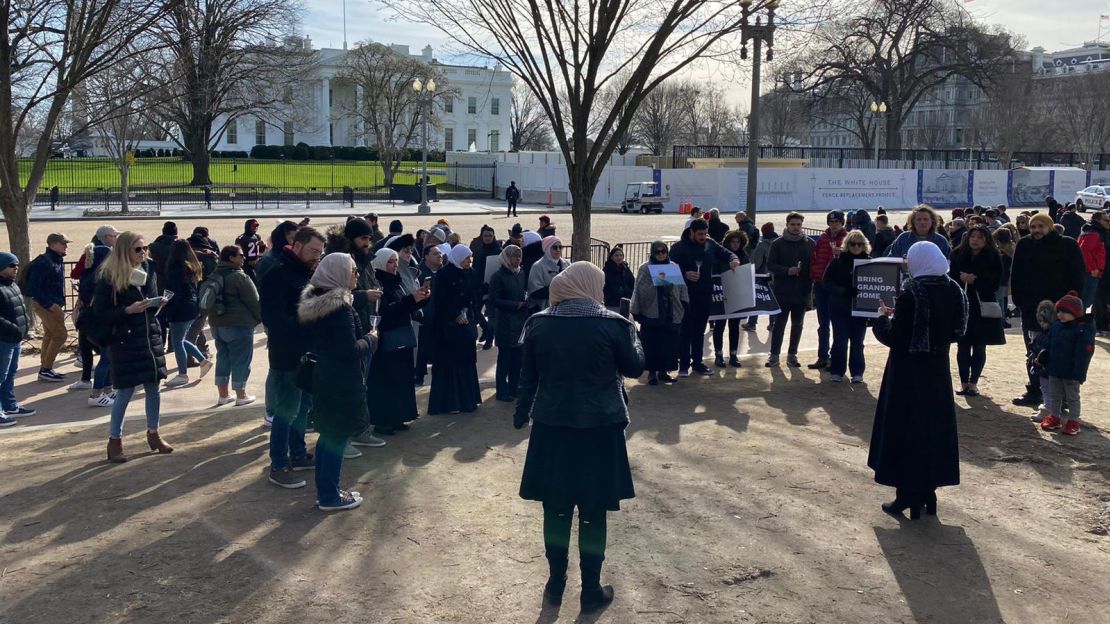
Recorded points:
(182, 255)
(985, 232)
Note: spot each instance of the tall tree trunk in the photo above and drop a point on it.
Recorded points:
(196, 142)
(387, 171)
(17, 218)
(582, 192)
(124, 173)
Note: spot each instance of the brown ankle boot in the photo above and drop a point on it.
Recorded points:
(156, 443)
(115, 451)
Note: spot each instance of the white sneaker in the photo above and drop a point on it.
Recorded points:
(857, 378)
(79, 385)
(268, 421)
(247, 400)
(836, 378)
(205, 366)
(178, 381)
(351, 452)
(104, 400)
(225, 400)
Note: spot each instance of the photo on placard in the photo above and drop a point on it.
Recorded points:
(663, 274)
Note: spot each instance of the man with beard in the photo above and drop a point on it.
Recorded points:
(696, 254)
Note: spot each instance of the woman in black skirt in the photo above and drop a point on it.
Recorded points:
(574, 395)
(659, 310)
(453, 353)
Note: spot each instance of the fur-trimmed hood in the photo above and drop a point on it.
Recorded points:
(315, 304)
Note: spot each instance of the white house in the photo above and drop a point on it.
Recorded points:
(479, 117)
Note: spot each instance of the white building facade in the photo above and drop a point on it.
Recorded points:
(478, 116)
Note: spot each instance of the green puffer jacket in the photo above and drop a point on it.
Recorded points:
(240, 296)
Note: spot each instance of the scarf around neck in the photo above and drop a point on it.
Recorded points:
(921, 340)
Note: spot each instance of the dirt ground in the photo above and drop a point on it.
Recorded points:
(754, 504)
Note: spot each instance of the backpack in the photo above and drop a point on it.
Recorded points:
(210, 295)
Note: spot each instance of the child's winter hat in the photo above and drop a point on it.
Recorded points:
(1046, 312)
(1071, 303)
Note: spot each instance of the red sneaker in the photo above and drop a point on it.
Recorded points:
(1071, 427)
(1050, 422)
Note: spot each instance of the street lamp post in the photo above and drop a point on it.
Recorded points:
(425, 94)
(878, 112)
(757, 33)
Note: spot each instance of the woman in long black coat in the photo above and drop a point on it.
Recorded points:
(125, 300)
(391, 394)
(977, 266)
(454, 333)
(619, 281)
(914, 444)
(342, 348)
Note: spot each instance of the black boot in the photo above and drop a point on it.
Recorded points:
(719, 361)
(931, 503)
(734, 361)
(594, 596)
(904, 500)
(557, 575)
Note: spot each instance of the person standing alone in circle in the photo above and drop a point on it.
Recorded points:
(512, 195)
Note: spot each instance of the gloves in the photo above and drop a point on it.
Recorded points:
(519, 420)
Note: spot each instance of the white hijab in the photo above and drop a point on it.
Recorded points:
(925, 258)
(381, 259)
(334, 271)
(458, 254)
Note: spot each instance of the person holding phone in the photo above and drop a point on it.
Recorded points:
(125, 289)
(183, 272)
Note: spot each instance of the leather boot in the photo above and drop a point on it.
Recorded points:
(557, 577)
(594, 596)
(156, 443)
(115, 451)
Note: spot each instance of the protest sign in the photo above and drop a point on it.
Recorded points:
(878, 281)
(663, 274)
(492, 264)
(765, 301)
(739, 287)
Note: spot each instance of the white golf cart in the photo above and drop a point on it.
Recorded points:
(640, 197)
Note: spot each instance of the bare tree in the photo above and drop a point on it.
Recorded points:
(568, 54)
(50, 48)
(1083, 110)
(1013, 118)
(784, 116)
(390, 111)
(657, 122)
(897, 51)
(227, 59)
(528, 125)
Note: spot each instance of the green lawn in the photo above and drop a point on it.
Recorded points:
(78, 173)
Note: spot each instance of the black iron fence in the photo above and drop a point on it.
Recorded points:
(856, 157)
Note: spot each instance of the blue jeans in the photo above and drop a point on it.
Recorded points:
(9, 366)
(821, 302)
(234, 352)
(119, 408)
(182, 348)
(848, 333)
(1090, 289)
(329, 463)
(290, 407)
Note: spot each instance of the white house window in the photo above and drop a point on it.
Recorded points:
(495, 106)
(495, 141)
(259, 132)
(448, 105)
(471, 137)
(448, 139)
(288, 133)
(472, 105)
(232, 132)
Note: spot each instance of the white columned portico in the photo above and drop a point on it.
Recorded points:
(360, 135)
(324, 112)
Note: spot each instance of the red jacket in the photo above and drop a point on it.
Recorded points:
(823, 254)
(1094, 251)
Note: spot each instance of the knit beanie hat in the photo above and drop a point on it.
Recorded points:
(7, 260)
(486, 228)
(834, 215)
(395, 227)
(1043, 219)
(356, 228)
(1071, 303)
(1046, 312)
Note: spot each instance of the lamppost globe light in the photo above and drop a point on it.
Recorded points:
(417, 85)
(432, 86)
(882, 107)
(874, 107)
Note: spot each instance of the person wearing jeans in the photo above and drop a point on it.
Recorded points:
(14, 322)
(233, 321)
(788, 260)
(95, 380)
(826, 250)
(696, 256)
(46, 294)
(119, 408)
(848, 331)
(183, 271)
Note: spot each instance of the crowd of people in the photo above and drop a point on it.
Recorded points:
(356, 319)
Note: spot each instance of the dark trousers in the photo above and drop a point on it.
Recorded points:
(847, 342)
(1029, 329)
(970, 360)
(511, 212)
(196, 332)
(508, 371)
(824, 320)
(692, 347)
(592, 535)
(733, 335)
(1102, 301)
(99, 376)
(329, 463)
(797, 314)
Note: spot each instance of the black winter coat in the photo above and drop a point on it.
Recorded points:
(14, 318)
(506, 291)
(279, 294)
(838, 279)
(686, 254)
(135, 354)
(589, 393)
(987, 268)
(532, 254)
(395, 307)
(1073, 224)
(619, 283)
(717, 230)
(183, 306)
(884, 238)
(160, 255)
(342, 351)
(785, 255)
(482, 255)
(1046, 269)
(453, 343)
(914, 443)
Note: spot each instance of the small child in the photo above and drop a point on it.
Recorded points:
(1039, 355)
(1071, 343)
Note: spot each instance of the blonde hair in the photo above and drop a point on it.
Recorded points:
(856, 236)
(88, 253)
(117, 267)
(937, 222)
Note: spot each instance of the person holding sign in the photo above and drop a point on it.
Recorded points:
(659, 308)
(696, 254)
(977, 266)
(788, 261)
(734, 241)
(848, 331)
(914, 444)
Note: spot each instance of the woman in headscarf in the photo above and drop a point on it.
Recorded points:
(545, 270)
(576, 354)
(914, 444)
(533, 250)
(507, 306)
(619, 280)
(659, 308)
(435, 256)
(342, 347)
(390, 393)
(454, 333)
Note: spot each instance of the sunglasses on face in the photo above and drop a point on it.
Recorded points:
(855, 244)
(141, 249)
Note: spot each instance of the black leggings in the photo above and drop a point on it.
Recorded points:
(592, 532)
(733, 335)
(970, 360)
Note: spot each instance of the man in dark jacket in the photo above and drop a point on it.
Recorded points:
(717, 228)
(286, 341)
(253, 247)
(45, 287)
(208, 252)
(884, 236)
(1072, 221)
(1046, 266)
(745, 225)
(160, 252)
(355, 238)
(695, 254)
(789, 262)
(512, 194)
(508, 311)
(14, 323)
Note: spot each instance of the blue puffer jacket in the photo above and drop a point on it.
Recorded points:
(1070, 347)
(46, 281)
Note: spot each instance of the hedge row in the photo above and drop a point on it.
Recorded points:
(303, 151)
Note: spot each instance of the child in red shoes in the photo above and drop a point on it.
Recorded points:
(1071, 343)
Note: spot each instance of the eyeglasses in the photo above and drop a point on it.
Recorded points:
(855, 244)
(140, 249)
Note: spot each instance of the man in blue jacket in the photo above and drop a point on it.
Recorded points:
(14, 322)
(45, 289)
(695, 254)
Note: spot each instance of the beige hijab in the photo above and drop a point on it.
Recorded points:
(581, 280)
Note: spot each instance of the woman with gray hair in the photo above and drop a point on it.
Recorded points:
(342, 347)
(508, 309)
(576, 450)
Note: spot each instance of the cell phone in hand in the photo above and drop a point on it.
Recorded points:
(153, 302)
